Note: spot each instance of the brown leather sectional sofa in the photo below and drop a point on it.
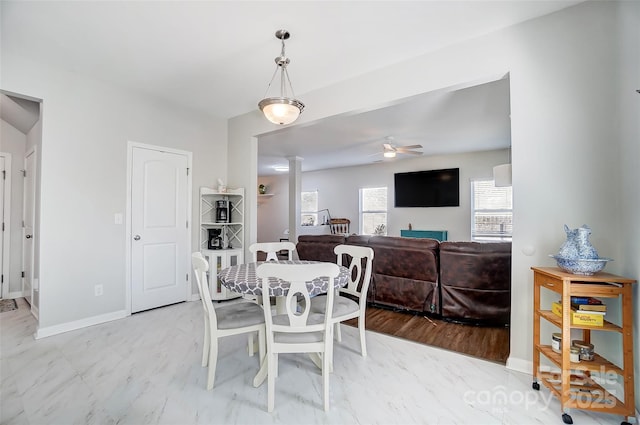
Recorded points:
(460, 281)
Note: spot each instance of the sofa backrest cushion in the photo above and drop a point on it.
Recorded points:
(318, 247)
(360, 240)
(479, 265)
(408, 258)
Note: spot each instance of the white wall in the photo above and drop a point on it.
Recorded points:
(14, 142)
(273, 211)
(338, 190)
(566, 149)
(85, 129)
(628, 111)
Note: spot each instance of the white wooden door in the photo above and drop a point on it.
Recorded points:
(28, 217)
(159, 228)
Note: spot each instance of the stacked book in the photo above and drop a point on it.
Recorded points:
(588, 304)
(584, 311)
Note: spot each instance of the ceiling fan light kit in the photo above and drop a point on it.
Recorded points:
(281, 109)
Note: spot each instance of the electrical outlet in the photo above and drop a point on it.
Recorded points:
(99, 290)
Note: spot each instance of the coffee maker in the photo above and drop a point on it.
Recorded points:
(215, 240)
(223, 213)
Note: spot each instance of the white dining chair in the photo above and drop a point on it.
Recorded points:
(272, 249)
(233, 319)
(352, 300)
(299, 330)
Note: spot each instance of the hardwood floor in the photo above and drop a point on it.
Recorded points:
(489, 343)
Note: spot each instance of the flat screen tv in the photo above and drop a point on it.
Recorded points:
(431, 188)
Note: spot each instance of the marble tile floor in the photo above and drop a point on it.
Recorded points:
(145, 369)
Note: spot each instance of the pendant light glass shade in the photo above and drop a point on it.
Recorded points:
(281, 109)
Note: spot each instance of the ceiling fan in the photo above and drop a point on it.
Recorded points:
(391, 149)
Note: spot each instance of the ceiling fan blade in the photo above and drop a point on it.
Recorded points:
(388, 147)
(409, 152)
(410, 147)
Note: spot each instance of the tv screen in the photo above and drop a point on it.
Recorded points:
(432, 188)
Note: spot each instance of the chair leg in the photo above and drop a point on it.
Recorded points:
(363, 342)
(338, 333)
(213, 360)
(250, 344)
(326, 356)
(275, 366)
(330, 353)
(206, 344)
(261, 344)
(272, 362)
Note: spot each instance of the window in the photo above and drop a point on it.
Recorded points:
(309, 208)
(373, 211)
(492, 211)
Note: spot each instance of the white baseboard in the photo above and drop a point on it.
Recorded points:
(78, 324)
(520, 365)
(14, 295)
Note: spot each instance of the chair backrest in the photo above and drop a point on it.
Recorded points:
(339, 226)
(200, 269)
(299, 317)
(272, 249)
(359, 255)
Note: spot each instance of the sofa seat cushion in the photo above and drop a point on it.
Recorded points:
(484, 306)
(406, 294)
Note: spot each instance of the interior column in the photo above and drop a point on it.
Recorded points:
(295, 189)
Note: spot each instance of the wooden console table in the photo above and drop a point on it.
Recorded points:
(573, 385)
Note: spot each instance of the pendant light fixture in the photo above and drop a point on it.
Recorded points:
(502, 173)
(281, 109)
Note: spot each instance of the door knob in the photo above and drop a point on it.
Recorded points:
(136, 238)
(28, 236)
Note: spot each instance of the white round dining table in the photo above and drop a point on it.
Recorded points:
(242, 279)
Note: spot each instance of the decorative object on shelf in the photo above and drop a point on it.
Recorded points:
(221, 186)
(380, 230)
(585, 267)
(585, 349)
(577, 255)
(556, 342)
(262, 189)
(281, 109)
(574, 355)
